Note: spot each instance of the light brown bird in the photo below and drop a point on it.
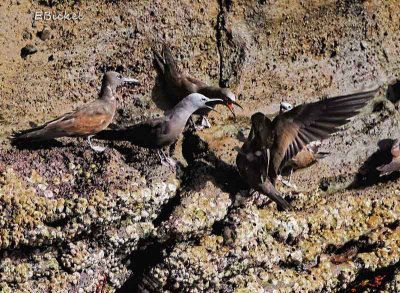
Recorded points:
(271, 144)
(175, 86)
(309, 155)
(85, 121)
(394, 165)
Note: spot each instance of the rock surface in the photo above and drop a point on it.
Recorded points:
(75, 221)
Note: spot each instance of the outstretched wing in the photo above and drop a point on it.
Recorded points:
(314, 121)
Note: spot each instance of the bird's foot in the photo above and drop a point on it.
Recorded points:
(289, 184)
(169, 162)
(205, 123)
(166, 160)
(96, 148)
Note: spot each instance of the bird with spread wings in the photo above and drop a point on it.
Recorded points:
(271, 144)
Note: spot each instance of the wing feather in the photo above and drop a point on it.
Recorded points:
(313, 121)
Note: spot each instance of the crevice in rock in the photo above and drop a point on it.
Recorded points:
(372, 281)
(150, 252)
(168, 208)
(350, 249)
(361, 244)
(220, 28)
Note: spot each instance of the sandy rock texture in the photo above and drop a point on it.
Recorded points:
(76, 221)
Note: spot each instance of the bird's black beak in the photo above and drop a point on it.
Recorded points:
(213, 102)
(230, 104)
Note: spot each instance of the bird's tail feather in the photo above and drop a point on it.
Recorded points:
(158, 62)
(268, 189)
(33, 134)
(169, 59)
(321, 155)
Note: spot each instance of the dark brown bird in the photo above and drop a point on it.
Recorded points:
(85, 121)
(394, 165)
(271, 144)
(161, 132)
(176, 85)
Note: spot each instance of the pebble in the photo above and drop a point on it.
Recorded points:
(45, 34)
(28, 50)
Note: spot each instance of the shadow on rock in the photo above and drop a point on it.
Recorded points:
(147, 256)
(200, 157)
(367, 174)
(203, 166)
(48, 144)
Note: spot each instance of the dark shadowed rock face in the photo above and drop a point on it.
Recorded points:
(72, 220)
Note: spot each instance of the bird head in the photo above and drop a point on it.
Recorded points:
(199, 101)
(114, 79)
(229, 99)
(284, 107)
(257, 118)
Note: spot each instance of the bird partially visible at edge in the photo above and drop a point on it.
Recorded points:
(394, 165)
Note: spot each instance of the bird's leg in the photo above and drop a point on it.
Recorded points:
(203, 124)
(288, 183)
(96, 148)
(159, 154)
(252, 192)
(193, 124)
(290, 176)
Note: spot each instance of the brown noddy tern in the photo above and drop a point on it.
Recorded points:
(271, 144)
(176, 85)
(161, 132)
(394, 165)
(85, 121)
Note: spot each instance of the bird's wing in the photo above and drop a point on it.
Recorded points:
(314, 121)
(195, 81)
(54, 121)
(85, 120)
(171, 69)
